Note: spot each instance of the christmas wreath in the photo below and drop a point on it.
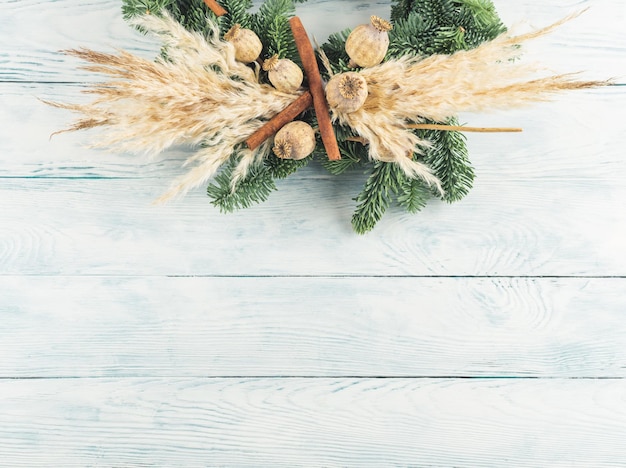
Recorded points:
(249, 92)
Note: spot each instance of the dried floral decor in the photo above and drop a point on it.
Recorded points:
(255, 99)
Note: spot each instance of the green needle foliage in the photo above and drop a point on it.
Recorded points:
(428, 27)
(425, 27)
(271, 24)
(412, 194)
(420, 28)
(376, 197)
(238, 13)
(255, 188)
(448, 157)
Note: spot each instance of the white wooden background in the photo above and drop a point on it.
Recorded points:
(491, 332)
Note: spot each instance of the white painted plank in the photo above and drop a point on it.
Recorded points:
(313, 422)
(33, 31)
(197, 327)
(577, 136)
(28, 149)
(566, 158)
(86, 227)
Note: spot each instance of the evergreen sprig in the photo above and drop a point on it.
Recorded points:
(448, 157)
(376, 197)
(352, 154)
(335, 50)
(421, 28)
(132, 8)
(191, 14)
(413, 195)
(237, 13)
(255, 188)
(425, 27)
(271, 24)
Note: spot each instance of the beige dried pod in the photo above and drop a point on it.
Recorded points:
(346, 92)
(284, 74)
(367, 44)
(247, 44)
(296, 140)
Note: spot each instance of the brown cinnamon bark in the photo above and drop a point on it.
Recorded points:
(215, 7)
(284, 117)
(309, 63)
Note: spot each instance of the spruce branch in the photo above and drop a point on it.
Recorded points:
(237, 13)
(256, 187)
(421, 28)
(132, 8)
(448, 157)
(271, 23)
(483, 12)
(352, 154)
(335, 50)
(283, 168)
(375, 198)
(413, 195)
(192, 14)
(429, 27)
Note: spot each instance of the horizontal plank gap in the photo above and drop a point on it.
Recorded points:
(338, 276)
(314, 377)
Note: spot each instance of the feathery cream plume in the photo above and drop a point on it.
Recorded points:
(199, 95)
(412, 89)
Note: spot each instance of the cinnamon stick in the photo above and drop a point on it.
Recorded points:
(309, 63)
(294, 109)
(215, 7)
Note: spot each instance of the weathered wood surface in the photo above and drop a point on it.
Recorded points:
(199, 327)
(313, 422)
(57, 196)
(559, 141)
(530, 228)
(131, 335)
(62, 24)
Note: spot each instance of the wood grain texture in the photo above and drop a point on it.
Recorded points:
(197, 327)
(566, 158)
(135, 335)
(594, 43)
(29, 149)
(33, 32)
(87, 227)
(325, 422)
(577, 136)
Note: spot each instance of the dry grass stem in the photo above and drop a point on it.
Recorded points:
(199, 95)
(410, 89)
(462, 128)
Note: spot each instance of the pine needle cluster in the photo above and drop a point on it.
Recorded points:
(420, 28)
(271, 24)
(434, 46)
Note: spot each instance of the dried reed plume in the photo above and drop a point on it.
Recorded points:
(199, 95)
(412, 89)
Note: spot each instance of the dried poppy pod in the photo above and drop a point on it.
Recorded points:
(296, 140)
(346, 92)
(284, 74)
(367, 44)
(247, 44)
